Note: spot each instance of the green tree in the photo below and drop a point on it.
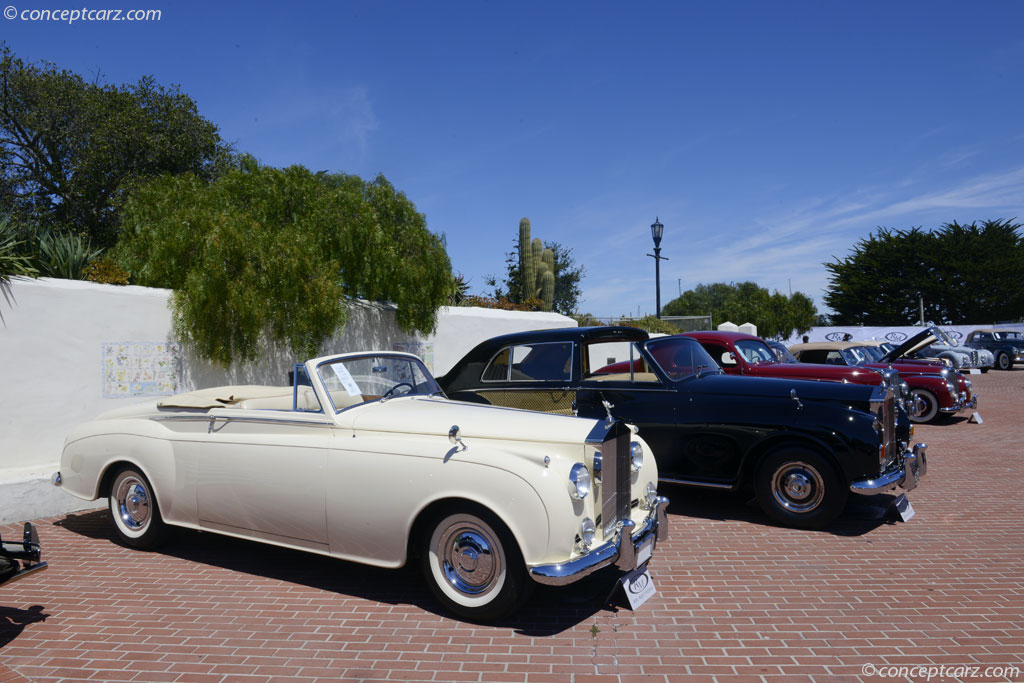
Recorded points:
(963, 273)
(568, 276)
(776, 315)
(272, 254)
(70, 150)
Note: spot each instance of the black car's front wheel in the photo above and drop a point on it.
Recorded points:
(473, 565)
(798, 487)
(136, 514)
(1003, 361)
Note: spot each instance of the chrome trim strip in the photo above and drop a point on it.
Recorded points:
(241, 418)
(702, 484)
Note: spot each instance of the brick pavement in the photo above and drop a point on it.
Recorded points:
(738, 599)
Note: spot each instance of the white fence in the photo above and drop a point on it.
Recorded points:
(894, 334)
(70, 350)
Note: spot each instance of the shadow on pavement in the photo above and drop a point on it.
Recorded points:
(13, 621)
(861, 515)
(548, 612)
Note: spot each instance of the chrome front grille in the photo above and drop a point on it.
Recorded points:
(615, 478)
(885, 414)
(889, 429)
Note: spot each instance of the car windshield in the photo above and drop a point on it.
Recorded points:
(681, 357)
(755, 351)
(782, 353)
(359, 379)
(943, 337)
(1008, 336)
(858, 355)
(874, 353)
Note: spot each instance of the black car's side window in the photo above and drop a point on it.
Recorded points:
(549, 361)
(602, 364)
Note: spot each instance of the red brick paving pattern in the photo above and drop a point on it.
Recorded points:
(738, 599)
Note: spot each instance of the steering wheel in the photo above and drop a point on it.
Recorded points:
(387, 394)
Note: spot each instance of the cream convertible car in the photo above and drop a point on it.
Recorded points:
(364, 459)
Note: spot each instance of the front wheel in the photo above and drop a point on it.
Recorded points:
(136, 514)
(931, 406)
(1003, 361)
(798, 487)
(473, 565)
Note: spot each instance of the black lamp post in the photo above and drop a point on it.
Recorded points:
(657, 229)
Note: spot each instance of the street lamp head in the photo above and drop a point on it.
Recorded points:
(657, 229)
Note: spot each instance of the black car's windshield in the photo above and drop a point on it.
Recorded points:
(857, 355)
(681, 357)
(1008, 336)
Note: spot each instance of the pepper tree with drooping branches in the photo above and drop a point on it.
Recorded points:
(266, 254)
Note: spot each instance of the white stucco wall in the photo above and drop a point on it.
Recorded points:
(51, 377)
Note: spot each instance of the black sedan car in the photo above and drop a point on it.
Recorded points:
(801, 446)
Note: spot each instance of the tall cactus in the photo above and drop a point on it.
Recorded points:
(547, 290)
(536, 268)
(527, 264)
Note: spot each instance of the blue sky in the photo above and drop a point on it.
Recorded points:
(768, 137)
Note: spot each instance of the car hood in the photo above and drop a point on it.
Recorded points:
(925, 337)
(909, 368)
(435, 416)
(808, 371)
(768, 387)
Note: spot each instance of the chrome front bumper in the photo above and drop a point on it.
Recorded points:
(624, 555)
(915, 466)
(961, 404)
(21, 558)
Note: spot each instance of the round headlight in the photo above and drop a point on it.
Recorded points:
(579, 481)
(636, 456)
(587, 532)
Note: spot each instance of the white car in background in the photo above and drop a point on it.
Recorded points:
(363, 458)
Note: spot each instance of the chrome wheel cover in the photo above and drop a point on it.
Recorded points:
(132, 501)
(798, 487)
(469, 558)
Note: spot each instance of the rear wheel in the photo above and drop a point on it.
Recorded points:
(800, 488)
(473, 565)
(1003, 361)
(135, 511)
(931, 405)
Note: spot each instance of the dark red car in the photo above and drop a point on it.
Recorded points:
(745, 354)
(927, 392)
(942, 390)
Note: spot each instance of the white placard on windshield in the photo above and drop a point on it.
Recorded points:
(341, 372)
